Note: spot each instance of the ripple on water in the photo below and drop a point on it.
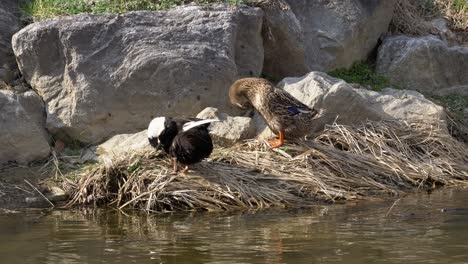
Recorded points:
(418, 229)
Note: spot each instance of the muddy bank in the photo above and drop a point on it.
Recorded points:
(22, 186)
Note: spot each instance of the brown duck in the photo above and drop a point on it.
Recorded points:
(285, 115)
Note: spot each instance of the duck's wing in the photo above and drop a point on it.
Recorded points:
(291, 106)
(183, 123)
(296, 111)
(182, 120)
(192, 124)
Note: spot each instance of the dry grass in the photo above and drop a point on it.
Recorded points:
(456, 11)
(342, 163)
(457, 126)
(408, 18)
(410, 15)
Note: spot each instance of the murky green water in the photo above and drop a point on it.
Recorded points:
(418, 229)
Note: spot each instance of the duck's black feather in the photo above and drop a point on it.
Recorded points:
(192, 146)
(188, 147)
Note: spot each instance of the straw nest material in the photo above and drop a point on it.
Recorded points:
(341, 163)
(410, 16)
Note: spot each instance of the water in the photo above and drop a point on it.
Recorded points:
(417, 229)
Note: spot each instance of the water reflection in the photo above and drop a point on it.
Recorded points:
(417, 229)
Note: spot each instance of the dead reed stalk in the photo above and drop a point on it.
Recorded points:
(341, 163)
(411, 15)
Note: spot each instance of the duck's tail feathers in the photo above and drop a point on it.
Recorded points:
(189, 125)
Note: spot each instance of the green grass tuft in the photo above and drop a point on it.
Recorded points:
(454, 103)
(363, 74)
(460, 5)
(39, 10)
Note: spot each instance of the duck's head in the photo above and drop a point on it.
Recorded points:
(238, 93)
(161, 132)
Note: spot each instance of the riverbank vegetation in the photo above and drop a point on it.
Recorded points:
(409, 15)
(39, 10)
(457, 104)
(364, 74)
(341, 163)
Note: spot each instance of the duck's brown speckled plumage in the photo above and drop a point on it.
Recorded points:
(272, 104)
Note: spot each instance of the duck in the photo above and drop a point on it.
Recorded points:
(286, 116)
(187, 140)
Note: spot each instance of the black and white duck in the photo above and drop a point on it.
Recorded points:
(286, 116)
(187, 140)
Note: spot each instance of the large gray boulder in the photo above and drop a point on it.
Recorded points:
(124, 144)
(101, 75)
(426, 64)
(230, 129)
(9, 24)
(283, 42)
(22, 133)
(322, 35)
(340, 102)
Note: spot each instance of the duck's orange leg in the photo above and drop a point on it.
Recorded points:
(277, 142)
(174, 165)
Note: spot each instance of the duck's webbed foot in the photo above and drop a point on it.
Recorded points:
(277, 142)
(175, 168)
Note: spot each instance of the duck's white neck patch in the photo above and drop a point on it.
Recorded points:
(156, 127)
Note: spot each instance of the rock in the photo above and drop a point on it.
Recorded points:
(426, 64)
(7, 74)
(322, 35)
(406, 105)
(8, 212)
(36, 202)
(9, 24)
(440, 26)
(283, 42)
(350, 105)
(341, 103)
(74, 156)
(102, 75)
(465, 114)
(21, 88)
(89, 155)
(122, 144)
(56, 194)
(249, 53)
(22, 132)
(4, 86)
(230, 130)
(262, 132)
